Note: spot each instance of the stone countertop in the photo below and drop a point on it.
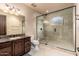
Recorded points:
(4, 40)
(11, 39)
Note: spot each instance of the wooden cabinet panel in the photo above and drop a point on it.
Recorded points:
(27, 44)
(27, 47)
(19, 47)
(6, 49)
(16, 47)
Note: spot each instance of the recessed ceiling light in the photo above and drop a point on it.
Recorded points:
(46, 22)
(47, 11)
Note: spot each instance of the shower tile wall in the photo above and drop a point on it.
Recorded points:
(60, 35)
(40, 28)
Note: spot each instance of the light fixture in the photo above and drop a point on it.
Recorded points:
(5, 11)
(16, 14)
(47, 11)
(45, 21)
(12, 10)
(18, 11)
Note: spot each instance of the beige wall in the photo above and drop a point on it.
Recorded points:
(77, 25)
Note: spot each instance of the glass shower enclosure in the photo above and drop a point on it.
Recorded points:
(57, 29)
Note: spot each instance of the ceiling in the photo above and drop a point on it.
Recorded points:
(48, 7)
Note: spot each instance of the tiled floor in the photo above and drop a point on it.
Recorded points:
(45, 50)
(59, 43)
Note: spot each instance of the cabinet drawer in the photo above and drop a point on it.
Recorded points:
(19, 47)
(6, 51)
(6, 44)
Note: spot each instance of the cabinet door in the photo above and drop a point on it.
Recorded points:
(27, 44)
(2, 25)
(19, 47)
(27, 47)
(6, 49)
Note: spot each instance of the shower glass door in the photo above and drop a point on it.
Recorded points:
(57, 29)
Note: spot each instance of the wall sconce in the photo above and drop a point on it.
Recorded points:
(12, 10)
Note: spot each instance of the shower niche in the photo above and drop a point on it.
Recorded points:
(57, 29)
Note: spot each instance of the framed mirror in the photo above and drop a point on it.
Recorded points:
(11, 24)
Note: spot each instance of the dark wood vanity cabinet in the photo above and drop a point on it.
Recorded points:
(18, 47)
(15, 47)
(21, 46)
(6, 49)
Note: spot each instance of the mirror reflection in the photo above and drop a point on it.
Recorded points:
(11, 24)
